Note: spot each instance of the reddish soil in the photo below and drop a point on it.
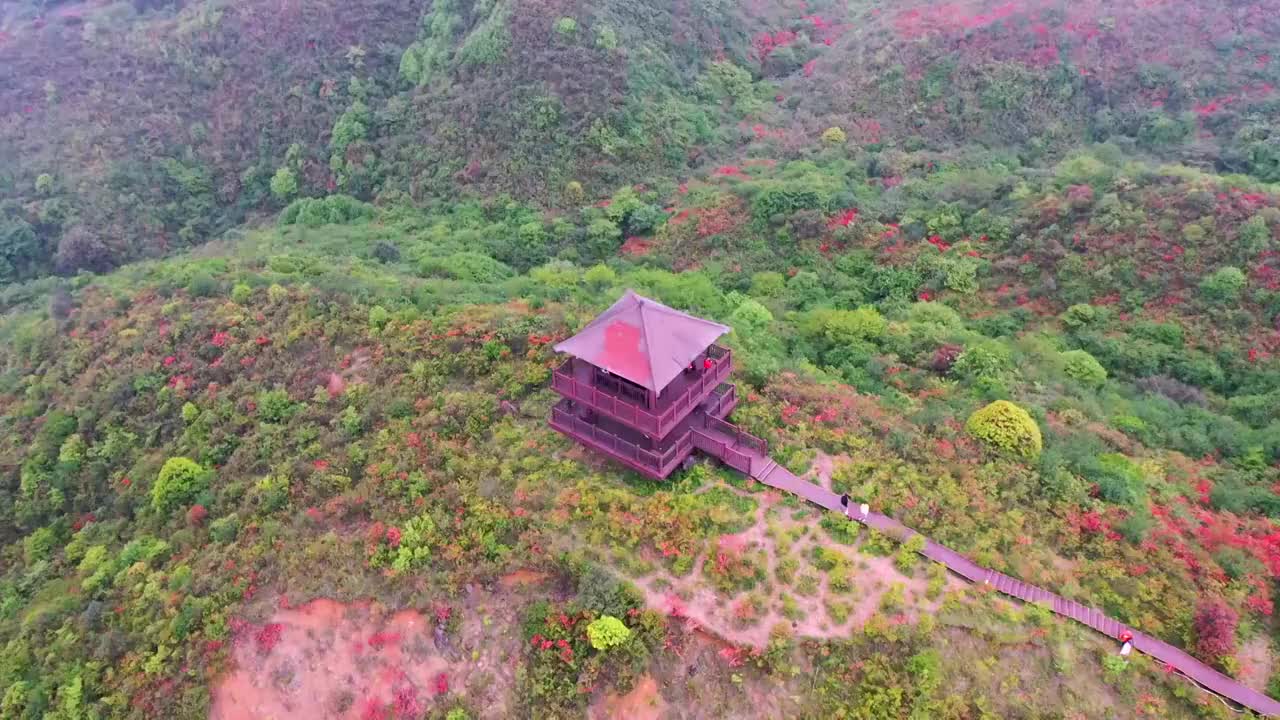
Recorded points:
(330, 660)
(643, 703)
(1256, 663)
(522, 578)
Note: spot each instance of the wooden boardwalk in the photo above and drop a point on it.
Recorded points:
(774, 475)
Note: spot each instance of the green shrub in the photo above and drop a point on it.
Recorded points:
(833, 136)
(179, 482)
(378, 317)
(566, 26)
(1224, 285)
(274, 406)
(1083, 367)
(39, 544)
(607, 631)
(1079, 316)
(225, 529)
(1006, 427)
(241, 293)
(202, 284)
(600, 277)
(468, 266)
(331, 210)
(1119, 479)
(768, 284)
(606, 38)
(985, 361)
(603, 236)
(284, 184)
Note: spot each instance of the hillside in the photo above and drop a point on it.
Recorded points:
(280, 286)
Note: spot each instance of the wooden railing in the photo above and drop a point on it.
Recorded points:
(626, 410)
(659, 463)
(740, 437)
(721, 400)
(721, 450)
(739, 450)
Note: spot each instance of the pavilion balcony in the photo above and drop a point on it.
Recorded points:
(625, 402)
(625, 446)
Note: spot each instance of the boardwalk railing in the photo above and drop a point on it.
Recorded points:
(616, 404)
(739, 450)
(621, 449)
(714, 446)
(740, 437)
(779, 477)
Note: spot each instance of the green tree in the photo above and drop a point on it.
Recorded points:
(603, 237)
(750, 317)
(600, 277)
(1224, 285)
(566, 27)
(284, 184)
(833, 136)
(180, 481)
(1080, 365)
(1006, 427)
(606, 632)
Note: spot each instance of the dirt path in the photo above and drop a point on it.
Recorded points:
(774, 535)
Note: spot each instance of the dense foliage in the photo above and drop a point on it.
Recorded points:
(1008, 272)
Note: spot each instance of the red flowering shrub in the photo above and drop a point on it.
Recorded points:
(268, 637)
(196, 515)
(944, 357)
(1215, 630)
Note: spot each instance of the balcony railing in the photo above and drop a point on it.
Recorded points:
(655, 464)
(739, 450)
(721, 401)
(656, 423)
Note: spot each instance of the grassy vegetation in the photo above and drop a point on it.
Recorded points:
(1009, 273)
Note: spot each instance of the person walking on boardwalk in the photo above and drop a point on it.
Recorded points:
(844, 503)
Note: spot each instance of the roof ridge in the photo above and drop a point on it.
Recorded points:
(642, 303)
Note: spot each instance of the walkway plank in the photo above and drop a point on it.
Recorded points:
(779, 477)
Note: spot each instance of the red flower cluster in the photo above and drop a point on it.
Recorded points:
(844, 219)
(196, 515)
(636, 246)
(717, 221)
(268, 637)
(734, 656)
(535, 339)
(220, 338)
(406, 702)
(765, 43)
(377, 641)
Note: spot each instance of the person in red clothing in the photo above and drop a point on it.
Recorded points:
(707, 363)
